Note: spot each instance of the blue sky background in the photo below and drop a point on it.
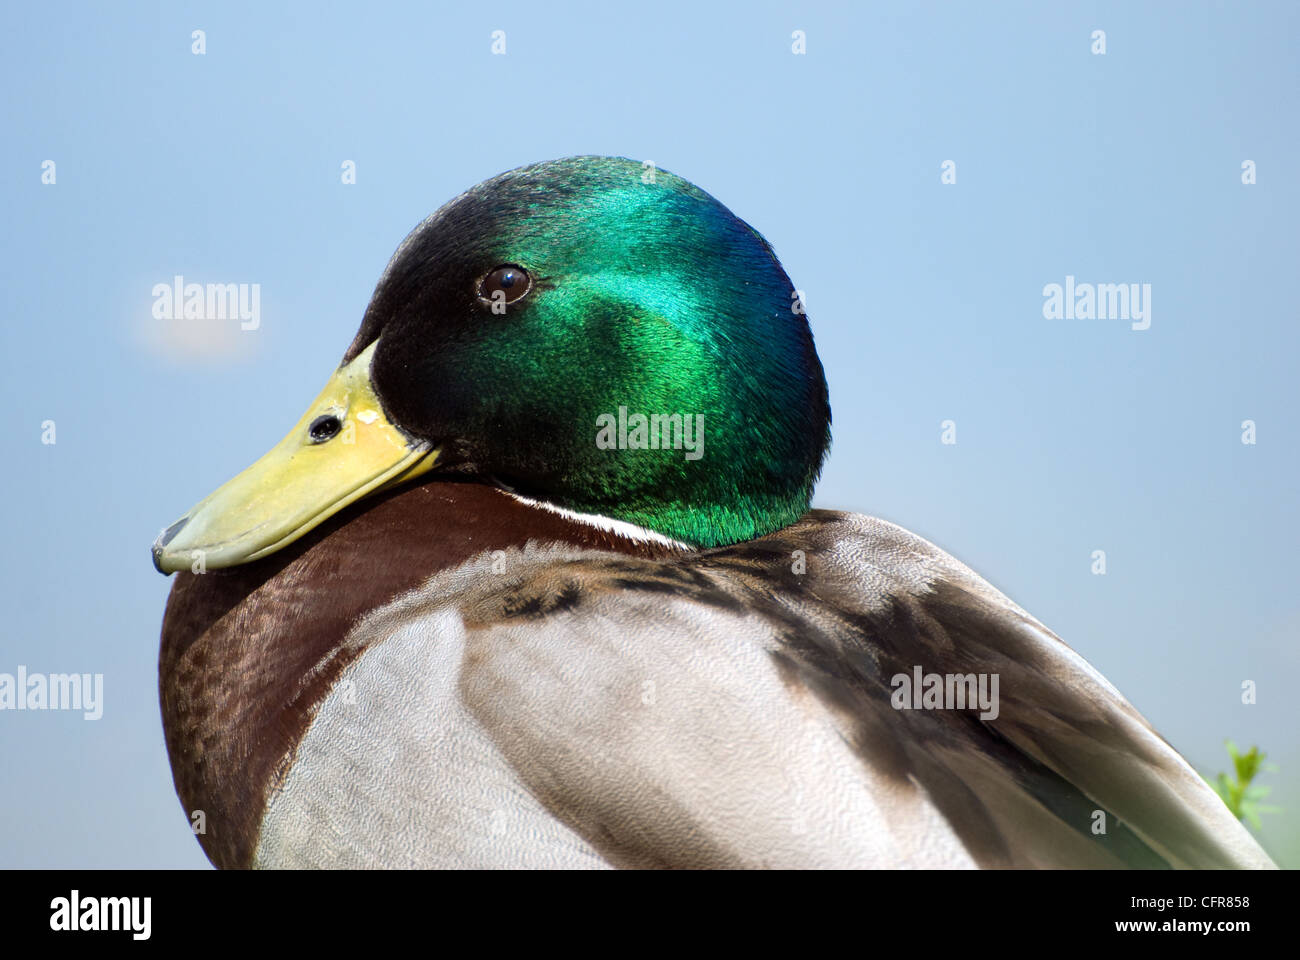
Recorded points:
(925, 299)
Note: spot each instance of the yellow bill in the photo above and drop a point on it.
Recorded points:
(342, 449)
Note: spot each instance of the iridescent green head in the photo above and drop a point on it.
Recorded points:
(597, 335)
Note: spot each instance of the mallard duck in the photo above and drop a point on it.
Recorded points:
(534, 582)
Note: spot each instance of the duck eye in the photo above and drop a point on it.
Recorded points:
(510, 279)
(324, 428)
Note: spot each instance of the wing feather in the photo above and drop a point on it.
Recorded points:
(733, 708)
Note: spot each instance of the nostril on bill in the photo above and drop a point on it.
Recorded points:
(324, 428)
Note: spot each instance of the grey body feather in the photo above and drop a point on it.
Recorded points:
(588, 709)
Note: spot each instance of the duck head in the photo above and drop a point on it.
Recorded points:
(578, 332)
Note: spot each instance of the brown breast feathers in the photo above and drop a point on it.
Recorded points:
(248, 653)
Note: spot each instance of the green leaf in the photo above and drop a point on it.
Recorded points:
(1238, 794)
